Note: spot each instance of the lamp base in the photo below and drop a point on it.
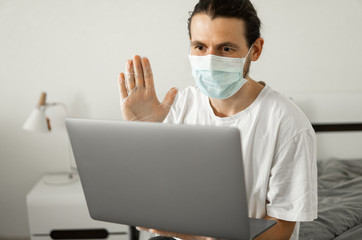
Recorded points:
(60, 178)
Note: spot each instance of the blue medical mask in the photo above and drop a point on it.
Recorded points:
(218, 77)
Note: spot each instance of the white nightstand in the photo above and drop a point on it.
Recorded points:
(60, 212)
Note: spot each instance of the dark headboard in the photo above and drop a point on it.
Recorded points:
(337, 127)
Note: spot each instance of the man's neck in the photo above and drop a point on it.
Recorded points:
(239, 101)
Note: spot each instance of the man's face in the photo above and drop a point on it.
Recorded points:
(221, 36)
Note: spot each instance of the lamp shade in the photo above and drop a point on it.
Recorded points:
(37, 121)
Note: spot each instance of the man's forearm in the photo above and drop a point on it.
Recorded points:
(280, 231)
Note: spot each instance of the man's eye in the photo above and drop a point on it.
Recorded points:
(226, 49)
(200, 48)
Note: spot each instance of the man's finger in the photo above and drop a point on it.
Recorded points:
(139, 72)
(122, 85)
(130, 75)
(142, 229)
(147, 73)
(169, 98)
(172, 234)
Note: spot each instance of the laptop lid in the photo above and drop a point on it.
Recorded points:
(177, 178)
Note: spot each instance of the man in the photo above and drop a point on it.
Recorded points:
(278, 142)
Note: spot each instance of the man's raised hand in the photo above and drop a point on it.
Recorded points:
(138, 96)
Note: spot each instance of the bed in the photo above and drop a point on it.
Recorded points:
(339, 195)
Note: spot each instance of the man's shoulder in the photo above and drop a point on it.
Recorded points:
(188, 96)
(285, 111)
(190, 91)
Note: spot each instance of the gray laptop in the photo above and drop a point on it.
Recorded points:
(177, 178)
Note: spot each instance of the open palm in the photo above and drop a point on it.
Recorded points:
(138, 98)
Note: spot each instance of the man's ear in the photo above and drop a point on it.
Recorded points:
(257, 49)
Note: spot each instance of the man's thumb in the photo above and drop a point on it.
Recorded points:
(169, 98)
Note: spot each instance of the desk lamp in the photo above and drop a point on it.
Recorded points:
(39, 122)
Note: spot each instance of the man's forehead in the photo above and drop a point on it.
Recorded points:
(219, 29)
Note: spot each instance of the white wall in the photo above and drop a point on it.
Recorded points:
(75, 49)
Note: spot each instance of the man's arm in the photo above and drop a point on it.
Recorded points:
(280, 231)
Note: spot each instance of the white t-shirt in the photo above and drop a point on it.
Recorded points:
(278, 148)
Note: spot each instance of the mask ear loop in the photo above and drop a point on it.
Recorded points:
(251, 47)
(246, 58)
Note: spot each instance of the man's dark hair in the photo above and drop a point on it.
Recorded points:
(242, 9)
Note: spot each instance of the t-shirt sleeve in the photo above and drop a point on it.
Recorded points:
(292, 189)
(171, 116)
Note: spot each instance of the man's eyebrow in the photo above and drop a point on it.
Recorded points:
(196, 43)
(229, 44)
